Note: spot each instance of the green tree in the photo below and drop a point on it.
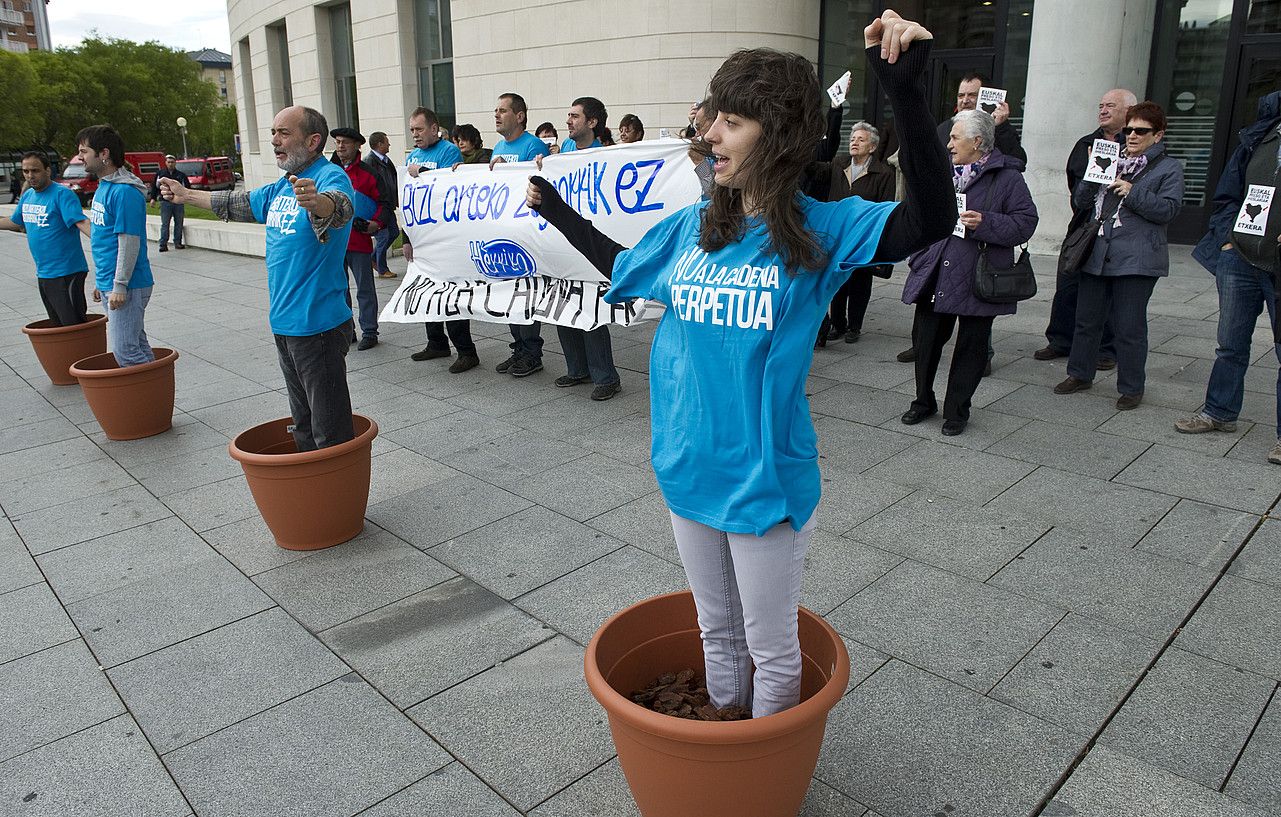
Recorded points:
(21, 122)
(68, 97)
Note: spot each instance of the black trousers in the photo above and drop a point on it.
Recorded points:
(316, 377)
(1122, 302)
(1062, 324)
(527, 340)
(459, 332)
(64, 298)
(930, 331)
(849, 305)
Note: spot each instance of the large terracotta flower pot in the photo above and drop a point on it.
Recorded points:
(310, 499)
(753, 768)
(57, 347)
(129, 402)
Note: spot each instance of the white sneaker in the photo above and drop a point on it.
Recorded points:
(1274, 456)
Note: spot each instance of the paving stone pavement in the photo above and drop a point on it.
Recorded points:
(1067, 610)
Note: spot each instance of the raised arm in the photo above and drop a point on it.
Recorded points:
(595, 246)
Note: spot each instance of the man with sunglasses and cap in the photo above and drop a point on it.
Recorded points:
(371, 213)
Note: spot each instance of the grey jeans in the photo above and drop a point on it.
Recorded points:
(316, 377)
(747, 589)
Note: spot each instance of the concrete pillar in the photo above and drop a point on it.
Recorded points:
(1074, 58)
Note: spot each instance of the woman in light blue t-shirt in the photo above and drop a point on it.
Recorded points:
(746, 277)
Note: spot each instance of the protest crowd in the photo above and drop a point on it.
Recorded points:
(780, 202)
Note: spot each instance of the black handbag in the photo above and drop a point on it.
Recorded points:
(1009, 285)
(1078, 245)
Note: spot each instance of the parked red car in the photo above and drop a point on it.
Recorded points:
(143, 164)
(208, 173)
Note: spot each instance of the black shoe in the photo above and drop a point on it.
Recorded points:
(502, 368)
(852, 336)
(606, 391)
(524, 367)
(463, 363)
(1048, 353)
(429, 353)
(906, 356)
(180, 246)
(565, 381)
(1105, 364)
(1072, 384)
(835, 333)
(1129, 402)
(164, 248)
(953, 427)
(367, 342)
(915, 415)
(821, 342)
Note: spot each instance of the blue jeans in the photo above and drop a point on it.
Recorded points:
(746, 589)
(1122, 302)
(361, 267)
(1244, 291)
(126, 337)
(589, 353)
(169, 210)
(382, 243)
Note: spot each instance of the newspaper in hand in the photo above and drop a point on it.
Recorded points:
(837, 91)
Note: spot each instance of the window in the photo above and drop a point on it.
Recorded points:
(282, 91)
(248, 101)
(434, 41)
(347, 112)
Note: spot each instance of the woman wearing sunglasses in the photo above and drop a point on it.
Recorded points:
(1128, 257)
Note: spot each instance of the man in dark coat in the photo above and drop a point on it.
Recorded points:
(168, 210)
(380, 164)
(967, 99)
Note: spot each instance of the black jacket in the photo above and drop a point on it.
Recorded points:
(384, 171)
(1077, 162)
(166, 173)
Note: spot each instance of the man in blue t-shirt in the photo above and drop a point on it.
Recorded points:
(51, 217)
(434, 153)
(118, 241)
(308, 215)
(511, 117)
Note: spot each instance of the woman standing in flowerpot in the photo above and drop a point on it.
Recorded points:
(746, 277)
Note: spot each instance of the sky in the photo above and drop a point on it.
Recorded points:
(188, 25)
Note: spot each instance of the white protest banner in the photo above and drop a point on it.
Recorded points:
(1253, 217)
(1105, 156)
(479, 252)
(959, 229)
(990, 99)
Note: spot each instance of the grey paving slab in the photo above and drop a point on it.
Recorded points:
(603, 792)
(106, 770)
(1257, 776)
(1039, 402)
(577, 603)
(852, 448)
(442, 436)
(626, 439)
(1077, 674)
(506, 397)
(437, 513)
(452, 791)
(1260, 560)
(864, 661)
(87, 518)
(213, 505)
(645, 523)
(1104, 511)
(525, 550)
(404, 410)
(1255, 445)
(1252, 487)
(985, 428)
(1112, 784)
(119, 559)
(234, 416)
(908, 742)
(969, 632)
(957, 536)
(42, 490)
(334, 750)
(952, 471)
(51, 694)
(1199, 534)
(242, 669)
(186, 471)
(32, 435)
(848, 499)
(528, 727)
(1238, 624)
(401, 471)
(1136, 591)
(163, 609)
(187, 436)
(416, 647)
(1190, 716)
(28, 407)
(501, 463)
(587, 487)
(859, 404)
(17, 568)
(33, 620)
(249, 545)
(577, 410)
(348, 580)
(837, 567)
(874, 371)
(1077, 450)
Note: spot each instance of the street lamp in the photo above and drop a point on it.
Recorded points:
(182, 128)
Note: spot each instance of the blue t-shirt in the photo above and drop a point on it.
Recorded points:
(118, 208)
(441, 154)
(524, 148)
(733, 444)
(569, 145)
(306, 281)
(50, 217)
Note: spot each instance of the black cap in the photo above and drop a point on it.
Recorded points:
(348, 133)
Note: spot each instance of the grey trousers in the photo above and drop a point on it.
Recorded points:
(747, 589)
(316, 377)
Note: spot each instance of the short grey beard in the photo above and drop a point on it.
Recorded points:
(296, 161)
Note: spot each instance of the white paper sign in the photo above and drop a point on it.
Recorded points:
(480, 252)
(1253, 217)
(1105, 156)
(837, 91)
(959, 229)
(990, 99)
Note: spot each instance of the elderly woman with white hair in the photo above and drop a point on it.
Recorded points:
(998, 216)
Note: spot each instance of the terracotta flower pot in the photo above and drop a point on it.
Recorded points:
(129, 402)
(57, 347)
(753, 768)
(313, 499)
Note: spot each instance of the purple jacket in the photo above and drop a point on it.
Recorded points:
(945, 269)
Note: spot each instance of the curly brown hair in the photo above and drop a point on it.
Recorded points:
(781, 92)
